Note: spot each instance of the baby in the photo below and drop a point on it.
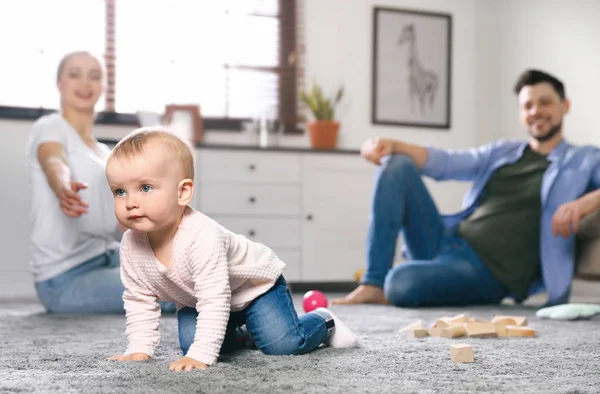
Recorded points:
(219, 280)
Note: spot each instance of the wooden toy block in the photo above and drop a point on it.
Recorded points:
(415, 326)
(501, 326)
(505, 322)
(481, 330)
(440, 323)
(519, 320)
(455, 331)
(416, 333)
(519, 331)
(436, 331)
(501, 330)
(462, 318)
(461, 353)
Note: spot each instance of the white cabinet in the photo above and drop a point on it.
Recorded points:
(336, 194)
(311, 208)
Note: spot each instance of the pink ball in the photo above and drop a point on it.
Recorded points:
(314, 299)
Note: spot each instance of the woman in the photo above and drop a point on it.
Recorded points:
(74, 233)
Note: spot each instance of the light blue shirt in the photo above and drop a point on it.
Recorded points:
(573, 172)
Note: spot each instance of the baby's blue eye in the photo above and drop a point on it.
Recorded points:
(146, 188)
(119, 192)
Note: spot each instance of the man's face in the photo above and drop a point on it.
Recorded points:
(542, 110)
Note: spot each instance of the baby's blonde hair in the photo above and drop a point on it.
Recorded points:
(134, 143)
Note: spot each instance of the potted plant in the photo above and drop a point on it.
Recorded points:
(324, 129)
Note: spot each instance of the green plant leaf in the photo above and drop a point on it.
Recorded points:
(321, 108)
(339, 95)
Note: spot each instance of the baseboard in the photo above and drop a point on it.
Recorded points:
(331, 287)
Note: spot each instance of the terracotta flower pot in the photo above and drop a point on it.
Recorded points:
(323, 134)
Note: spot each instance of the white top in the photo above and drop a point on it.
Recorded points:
(212, 270)
(59, 242)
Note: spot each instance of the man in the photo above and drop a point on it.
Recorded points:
(516, 233)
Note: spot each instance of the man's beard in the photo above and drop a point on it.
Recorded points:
(551, 133)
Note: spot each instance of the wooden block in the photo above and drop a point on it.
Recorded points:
(436, 331)
(455, 331)
(519, 320)
(416, 333)
(500, 329)
(481, 330)
(461, 353)
(462, 318)
(415, 326)
(440, 323)
(519, 331)
(505, 322)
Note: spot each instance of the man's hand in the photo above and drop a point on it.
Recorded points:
(186, 364)
(70, 200)
(132, 357)
(566, 218)
(376, 148)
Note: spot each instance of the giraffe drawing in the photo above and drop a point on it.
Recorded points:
(422, 83)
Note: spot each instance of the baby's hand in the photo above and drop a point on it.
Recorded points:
(186, 364)
(132, 357)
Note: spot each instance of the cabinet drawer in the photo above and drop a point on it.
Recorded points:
(232, 166)
(249, 199)
(334, 163)
(272, 232)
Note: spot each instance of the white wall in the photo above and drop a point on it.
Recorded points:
(338, 44)
(561, 37)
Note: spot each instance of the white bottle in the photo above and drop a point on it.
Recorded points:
(263, 133)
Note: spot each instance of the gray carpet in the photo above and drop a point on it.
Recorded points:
(63, 354)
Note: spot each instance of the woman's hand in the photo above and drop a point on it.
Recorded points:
(70, 200)
(186, 364)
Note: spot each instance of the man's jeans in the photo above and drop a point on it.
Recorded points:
(444, 270)
(270, 319)
(92, 287)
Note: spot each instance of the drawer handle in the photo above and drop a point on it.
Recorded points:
(252, 200)
(252, 167)
(251, 233)
(309, 217)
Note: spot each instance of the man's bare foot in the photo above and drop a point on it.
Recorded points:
(363, 294)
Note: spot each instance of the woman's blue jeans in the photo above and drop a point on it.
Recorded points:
(443, 270)
(93, 287)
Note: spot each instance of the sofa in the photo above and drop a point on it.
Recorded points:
(588, 248)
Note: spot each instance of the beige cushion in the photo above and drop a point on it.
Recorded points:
(588, 247)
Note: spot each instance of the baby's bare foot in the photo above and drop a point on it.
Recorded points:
(363, 294)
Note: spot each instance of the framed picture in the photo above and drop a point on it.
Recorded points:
(411, 68)
(186, 121)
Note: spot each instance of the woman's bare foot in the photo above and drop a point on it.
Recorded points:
(363, 294)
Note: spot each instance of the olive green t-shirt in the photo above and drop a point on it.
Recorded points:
(504, 229)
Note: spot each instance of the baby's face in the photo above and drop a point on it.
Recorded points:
(145, 188)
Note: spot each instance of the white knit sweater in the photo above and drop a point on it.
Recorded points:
(212, 270)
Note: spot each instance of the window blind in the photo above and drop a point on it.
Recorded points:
(235, 58)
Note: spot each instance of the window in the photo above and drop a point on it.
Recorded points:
(33, 43)
(190, 51)
(235, 58)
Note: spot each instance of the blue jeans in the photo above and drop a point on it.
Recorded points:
(92, 287)
(270, 319)
(443, 269)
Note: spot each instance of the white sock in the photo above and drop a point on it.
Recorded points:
(341, 336)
